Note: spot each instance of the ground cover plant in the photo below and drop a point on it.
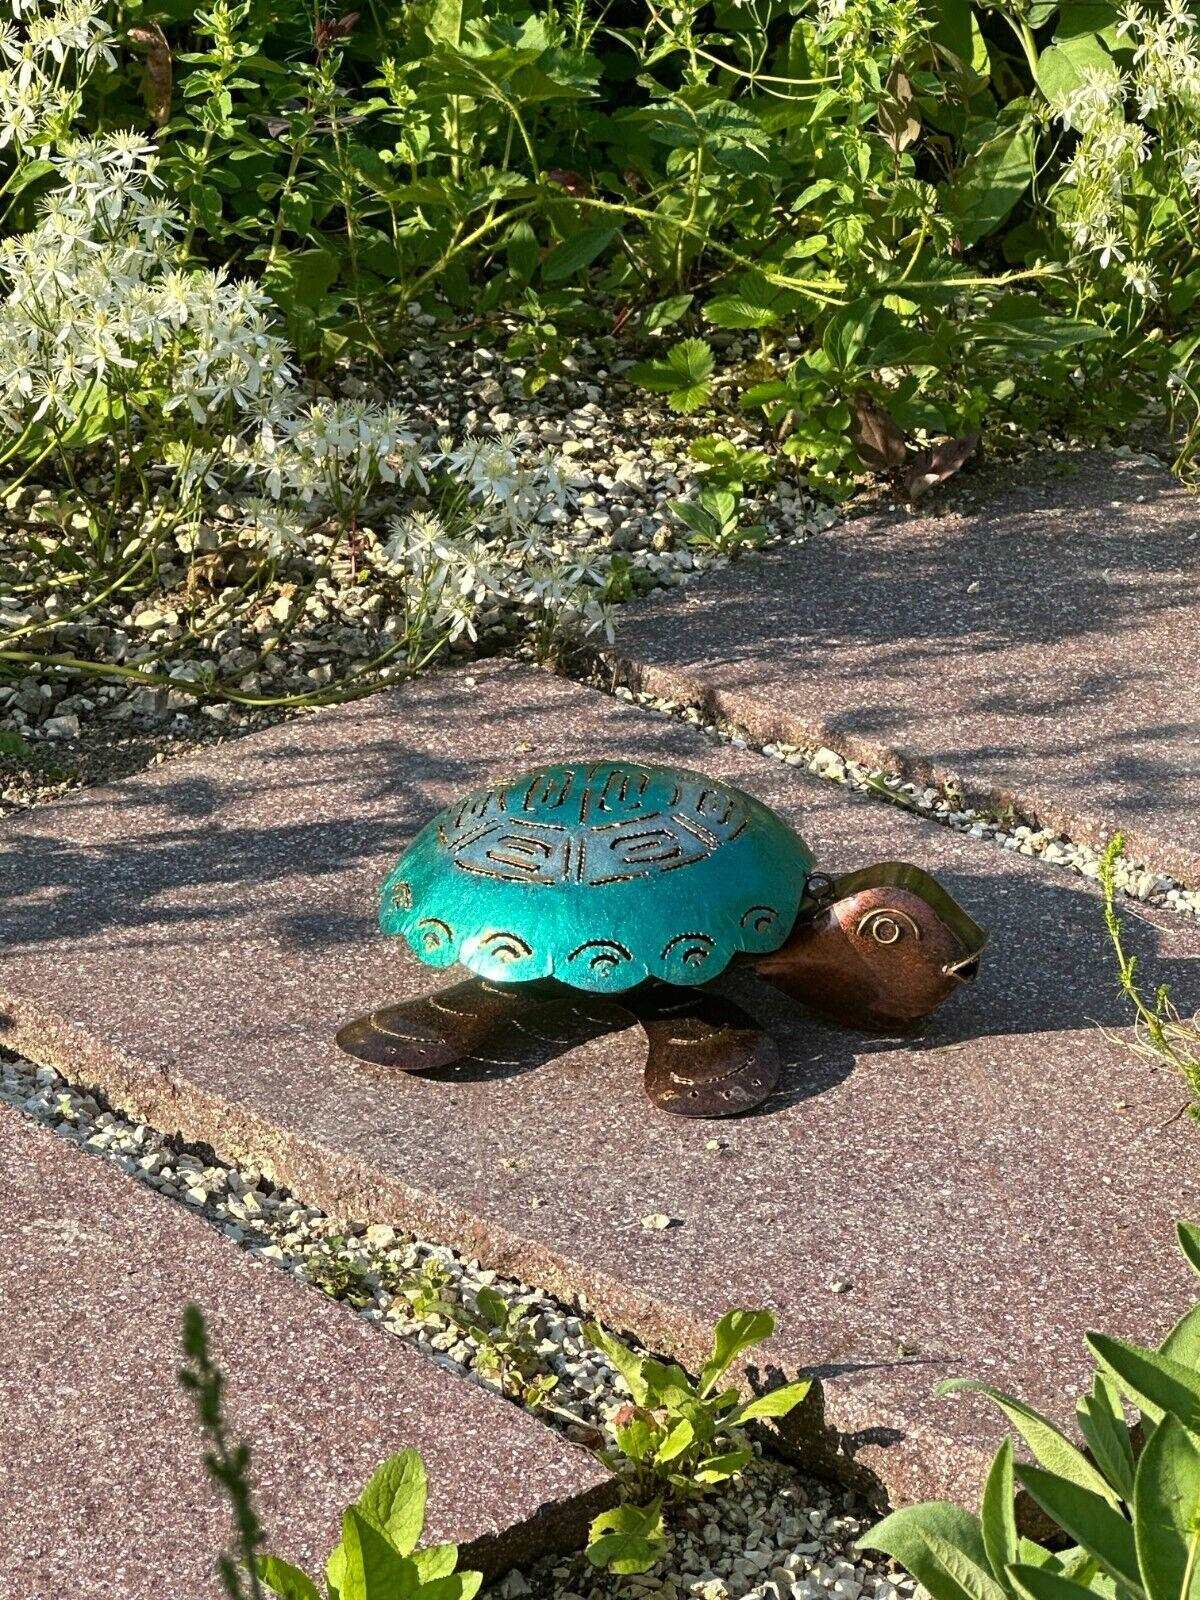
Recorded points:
(1125, 1508)
(1161, 1033)
(871, 229)
(378, 1557)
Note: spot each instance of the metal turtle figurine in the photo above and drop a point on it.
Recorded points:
(587, 897)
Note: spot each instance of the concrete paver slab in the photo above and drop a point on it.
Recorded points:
(1040, 650)
(104, 1492)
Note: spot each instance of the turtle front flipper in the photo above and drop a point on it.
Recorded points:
(481, 1029)
(708, 1057)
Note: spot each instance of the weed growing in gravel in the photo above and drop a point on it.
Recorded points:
(1126, 1511)
(1160, 1034)
(378, 1556)
(680, 1434)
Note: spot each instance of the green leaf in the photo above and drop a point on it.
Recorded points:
(1051, 1447)
(1087, 1518)
(1038, 1583)
(684, 376)
(997, 1514)
(737, 311)
(628, 1539)
(454, 1586)
(1155, 1382)
(971, 1578)
(1166, 1513)
(957, 30)
(286, 1580)
(1183, 1341)
(1063, 67)
(676, 1442)
(394, 1500)
(737, 1331)
(1102, 1423)
(637, 1439)
(719, 1468)
(627, 1362)
(908, 1535)
(664, 312)
(990, 182)
(577, 252)
(435, 1561)
(374, 1569)
(846, 335)
(775, 1403)
(1189, 1243)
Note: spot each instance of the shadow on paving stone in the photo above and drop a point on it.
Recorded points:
(967, 1201)
(1037, 647)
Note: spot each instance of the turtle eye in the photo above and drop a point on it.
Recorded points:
(887, 925)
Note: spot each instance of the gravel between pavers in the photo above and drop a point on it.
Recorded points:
(773, 1536)
(1135, 879)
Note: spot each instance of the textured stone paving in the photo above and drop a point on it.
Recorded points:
(104, 1492)
(968, 1203)
(1039, 650)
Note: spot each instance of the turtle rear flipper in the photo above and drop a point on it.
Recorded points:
(708, 1057)
(477, 1028)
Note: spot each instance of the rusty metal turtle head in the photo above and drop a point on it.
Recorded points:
(877, 949)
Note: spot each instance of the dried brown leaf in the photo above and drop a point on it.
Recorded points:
(931, 467)
(157, 77)
(878, 440)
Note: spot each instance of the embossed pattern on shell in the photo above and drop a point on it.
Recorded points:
(600, 875)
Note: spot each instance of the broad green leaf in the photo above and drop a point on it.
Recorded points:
(435, 1561)
(1051, 1447)
(1166, 1513)
(990, 182)
(737, 311)
(907, 1536)
(577, 252)
(394, 1500)
(1085, 1517)
(1036, 1583)
(1183, 1341)
(974, 1580)
(1102, 1423)
(716, 1469)
(374, 1568)
(285, 1580)
(775, 1403)
(664, 312)
(1156, 1383)
(846, 333)
(957, 30)
(997, 1515)
(627, 1362)
(1189, 1243)
(737, 1331)
(454, 1586)
(637, 1439)
(676, 1442)
(1063, 68)
(628, 1539)
(684, 376)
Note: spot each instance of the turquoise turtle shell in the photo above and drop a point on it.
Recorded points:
(601, 875)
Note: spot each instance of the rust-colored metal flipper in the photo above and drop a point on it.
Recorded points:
(479, 1029)
(423, 1035)
(708, 1057)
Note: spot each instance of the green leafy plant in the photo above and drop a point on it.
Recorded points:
(714, 522)
(378, 1557)
(681, 1434)
(683, 377)
(1161, 1033)
(1126, 1505)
